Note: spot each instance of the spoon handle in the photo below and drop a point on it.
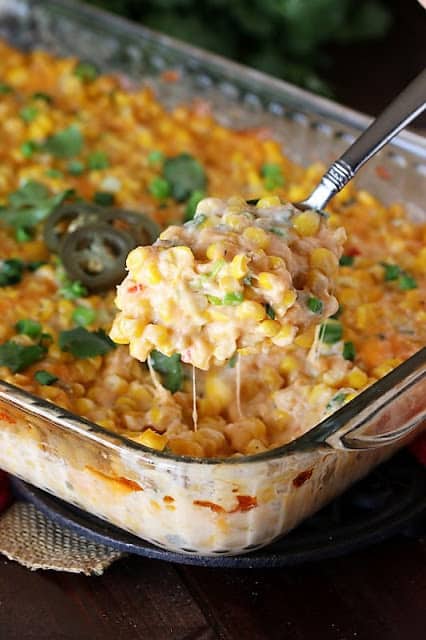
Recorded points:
(409, 104)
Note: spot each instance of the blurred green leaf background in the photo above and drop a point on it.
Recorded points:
(286, 38)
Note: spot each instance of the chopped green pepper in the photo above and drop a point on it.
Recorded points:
(28, 327)
(315, 305)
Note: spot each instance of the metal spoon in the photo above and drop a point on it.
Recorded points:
(404, 109)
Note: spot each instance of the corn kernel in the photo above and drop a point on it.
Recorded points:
(218, 392)
(356, 378)
(215, 251)
(256, 236)
(151, 439)
(288, 365)
(324, 260)
(250, 310)
(285, 335)
(234, 221)
(386, 367)
(305, 339)
(289, 298)
(268, 201)
(182, 256)
(306, 223)
(276, 262)
(137, 258)
(269, 328)
(239, 266)
(266, 280)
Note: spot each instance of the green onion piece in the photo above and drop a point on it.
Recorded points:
(29, 113)
(215, 300)
(184, 175)
(17, 357)
(277, 231)
(191, 206)
(11, 271)
(53, 173)
(83, 316)
(86, 71)
(392, 271)
(269, 311)
(233, 360)
(22, 234)
(159, 188)
(28, 327)
(5, 88)
(45, 377)
(407, 282)
(337, 400)
(331, 331)
(217, 267)
(85, 344)
(75, 167)
(155, 158)
(273, 175)
(349, 351)
(35, 264)
(346, 261)
(98, 160)
(72, 290)
(28, 148)
(40, 95)
(233, 298)
(315, 305)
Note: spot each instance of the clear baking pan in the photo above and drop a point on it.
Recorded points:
(212, 506)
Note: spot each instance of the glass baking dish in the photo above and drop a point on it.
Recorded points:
(212, 506)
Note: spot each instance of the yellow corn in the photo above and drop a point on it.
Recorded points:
(266, 280)
(285, 335)
(268, 201)
(288, 365)
(305, 339)
(269, 328)
(276, 262)
(218, 391)
(250, 310)
(151, 439)
(239, 266)
(256, 236)
(324, 260)
(289, 298)
(356, 378)
(386, 367)
(306, 223)
(215, 251)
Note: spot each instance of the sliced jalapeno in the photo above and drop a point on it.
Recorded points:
(95, 255)
(66, 219)
(143, 229)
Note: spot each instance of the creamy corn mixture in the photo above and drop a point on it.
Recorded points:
(63, 127)
(234, 280)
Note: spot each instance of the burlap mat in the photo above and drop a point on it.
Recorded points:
(30, 538)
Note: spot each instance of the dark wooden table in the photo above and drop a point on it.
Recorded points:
(376, 593)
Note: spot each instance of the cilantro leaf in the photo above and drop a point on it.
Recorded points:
(29, 327)
(85, 344)
(64, 144)
(331, 331)
(170, 368)
(45, 377)
(18, 357)
(184, 174)
(30, 204)
(11, 271)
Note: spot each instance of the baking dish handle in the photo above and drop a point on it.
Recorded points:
(397, 414)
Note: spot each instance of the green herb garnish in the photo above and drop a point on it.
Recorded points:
(233, 360)
(185, 175)
(28, 327)
(75, 167)
(159, 188)
(407, 282)
(331, 331)
(98, 160)
(270, 311)
(272, 175)
(349, 351)
(5, 88)
(392, 271)
(191, 206)
(315, 305)
(17, 357)
(45, 377)
(70, 290)
(337, 400)
(35, 264)
(28, 148)
(233, 298)
(53, 173)
(83, 316)
(85, 344)
(40, 95)
(23, 235)
(64, 144)
(215, 300)
(28, 113)
(11, 271)
(170, 368)
(86, 71)
(346, 261)
(155, 158)
(30, 204)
